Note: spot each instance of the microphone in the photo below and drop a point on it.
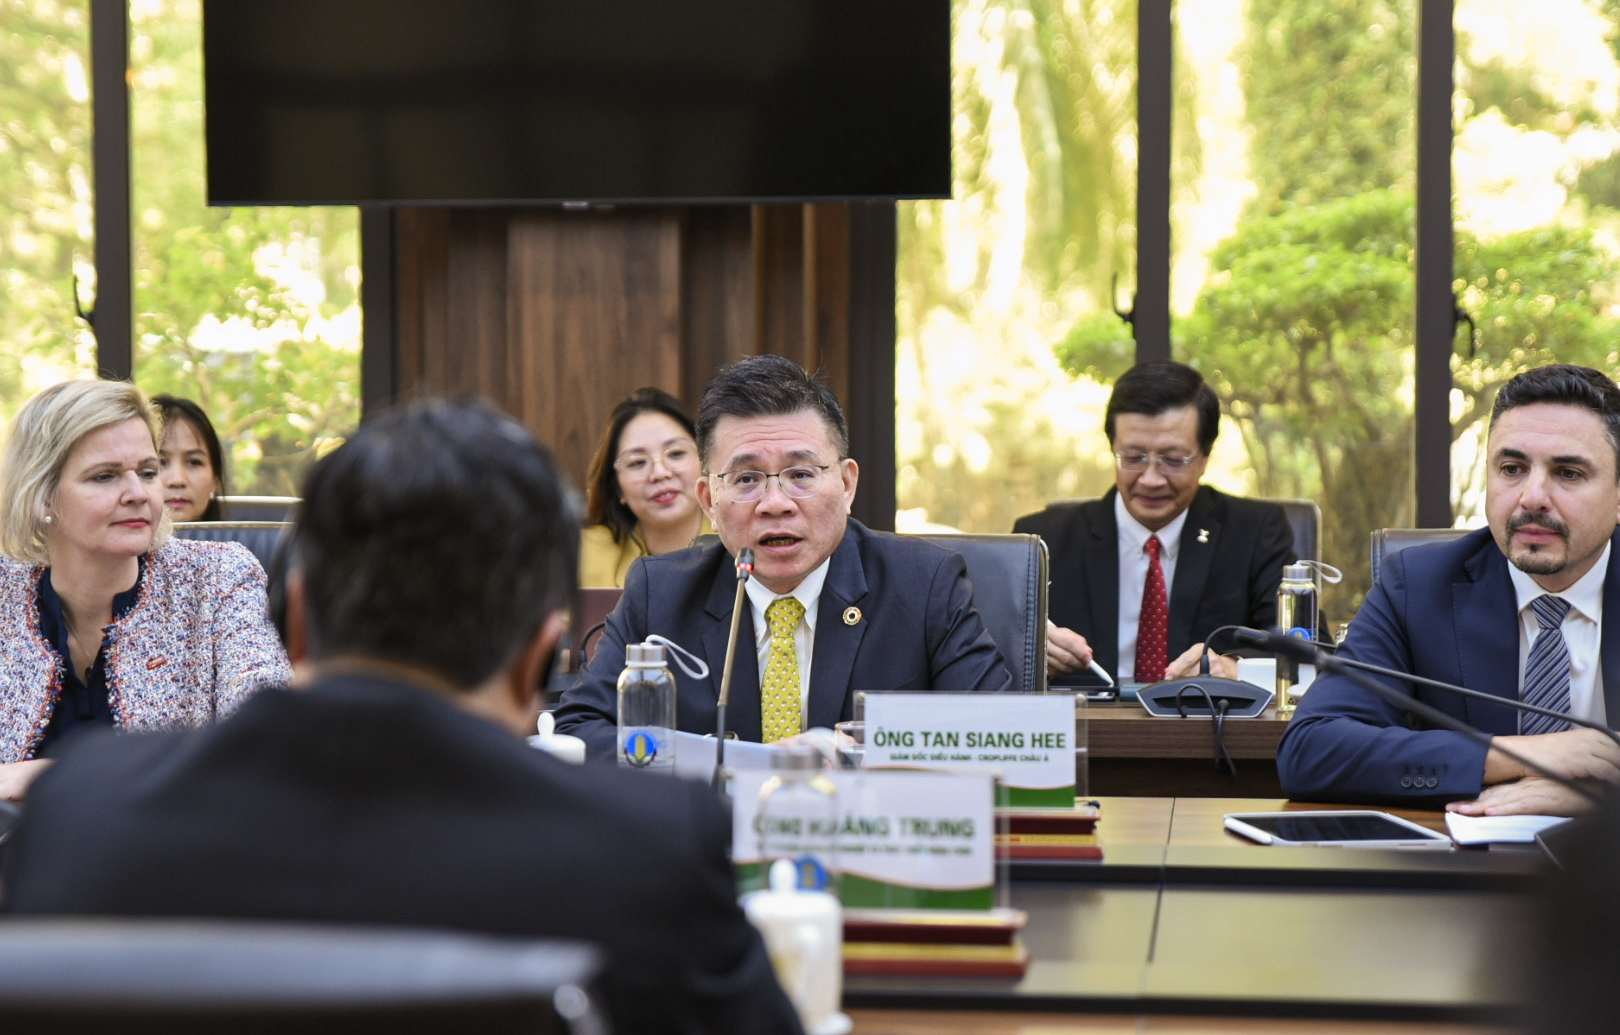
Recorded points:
(745, 568)
(1299, 649)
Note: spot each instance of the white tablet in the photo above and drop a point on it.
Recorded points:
(1346, 829)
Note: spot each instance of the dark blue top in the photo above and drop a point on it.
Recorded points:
(83, 701)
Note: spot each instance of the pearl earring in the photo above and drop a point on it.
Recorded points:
(49, 519)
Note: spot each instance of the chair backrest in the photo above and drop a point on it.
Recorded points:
(1386, 542)
(258, 508)
(1009, 576)
(191, 976)
(259, 536)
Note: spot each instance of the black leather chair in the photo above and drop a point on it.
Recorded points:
(1386, 542)
(259, 536)
(258, 508)
(179, 977)
(1009, 576)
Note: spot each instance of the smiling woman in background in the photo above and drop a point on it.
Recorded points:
(105, 620)
(641, 497)
(191, 465)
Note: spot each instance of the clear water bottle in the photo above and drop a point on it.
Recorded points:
(646, 709)
(1296, 616)
(798, 819)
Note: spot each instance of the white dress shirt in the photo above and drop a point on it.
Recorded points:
(1133, 569)
(1583, 634)
(807, 593)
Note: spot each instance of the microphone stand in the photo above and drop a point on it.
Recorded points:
(1326, 662)
(745, 568)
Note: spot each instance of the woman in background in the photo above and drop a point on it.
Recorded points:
(104, 619)
(641, 497)
(191, 464)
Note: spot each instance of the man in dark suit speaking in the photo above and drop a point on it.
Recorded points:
(1516, 610)
(1141, 577)
(436, 553)
(832, 609)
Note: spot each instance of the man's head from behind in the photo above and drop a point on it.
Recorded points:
(440, 537)
(1161, 422)
(777, 474)
(1552, 484)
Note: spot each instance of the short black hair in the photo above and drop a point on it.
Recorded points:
(1152, 388)
(172, 408)
(768, 386)
(1567, 385)
(440, 536)
(603, 505)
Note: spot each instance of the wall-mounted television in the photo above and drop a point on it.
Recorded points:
(311, 102)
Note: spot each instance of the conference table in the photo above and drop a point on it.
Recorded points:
(1184, 927)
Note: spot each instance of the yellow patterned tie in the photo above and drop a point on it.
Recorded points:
(779, 693)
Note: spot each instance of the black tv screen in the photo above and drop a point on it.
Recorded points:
(313, 102)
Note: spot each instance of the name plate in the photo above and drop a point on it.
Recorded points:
(1027, 741)
(904, 840)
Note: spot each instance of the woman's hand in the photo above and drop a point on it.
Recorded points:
(16, 776)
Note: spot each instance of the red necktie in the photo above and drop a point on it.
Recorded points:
(1153, 632)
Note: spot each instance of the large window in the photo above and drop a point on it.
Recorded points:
(254, 313)
(1042, 221)
(46, 236)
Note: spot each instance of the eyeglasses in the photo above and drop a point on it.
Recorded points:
(1136, 463)
(639, 465)
(798, 482)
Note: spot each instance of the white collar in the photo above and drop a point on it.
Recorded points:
(807, 592)
(1134, 534)
(1585, 596)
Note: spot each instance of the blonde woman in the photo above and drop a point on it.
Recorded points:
(105, 620)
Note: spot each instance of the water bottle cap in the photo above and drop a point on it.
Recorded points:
(1298, 572)
(644, 655)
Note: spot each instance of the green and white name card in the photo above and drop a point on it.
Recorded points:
(904, 840)
(1027, 741)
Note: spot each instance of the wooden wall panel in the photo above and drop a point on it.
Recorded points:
(557, 315)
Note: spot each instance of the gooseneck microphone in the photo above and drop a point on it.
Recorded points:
(745, 568)
(1298, 649)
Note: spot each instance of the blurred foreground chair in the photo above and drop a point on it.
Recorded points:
(185, 977)
(258, 536)
(1009, 576)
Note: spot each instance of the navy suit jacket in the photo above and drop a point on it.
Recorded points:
(1446, 611)
(361, 800)
(916, 629)
(1228, 565)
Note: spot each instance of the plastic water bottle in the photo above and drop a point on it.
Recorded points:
(798, 819)
(1296, 616)
(646, 709)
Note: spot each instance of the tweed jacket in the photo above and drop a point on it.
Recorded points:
(196, 643)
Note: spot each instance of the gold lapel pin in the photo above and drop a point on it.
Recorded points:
(1203, 535)
(852, 615)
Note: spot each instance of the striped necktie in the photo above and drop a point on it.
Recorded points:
(1546, 670)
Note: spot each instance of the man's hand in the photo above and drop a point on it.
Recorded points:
(1186, 666)
(16, 776)
(1577, 754)
(1066, 650)
(1531, 796)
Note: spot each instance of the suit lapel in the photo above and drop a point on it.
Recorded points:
(1486, 634)
(1200, 538)
(837, 641)
(1609, 650)
(742, 709)
(1101, 547)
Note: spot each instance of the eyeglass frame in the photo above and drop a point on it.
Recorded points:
(765, 480)
(690, 448)
(1166, 465)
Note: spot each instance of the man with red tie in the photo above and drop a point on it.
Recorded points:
(1142, 576)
